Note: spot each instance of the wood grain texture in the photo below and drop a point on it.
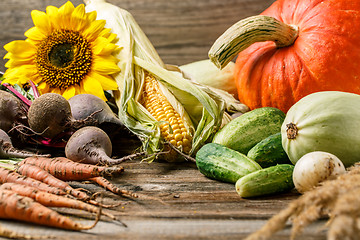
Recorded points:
(181, 31)
(192, 207)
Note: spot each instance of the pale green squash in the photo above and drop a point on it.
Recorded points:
(324, 121)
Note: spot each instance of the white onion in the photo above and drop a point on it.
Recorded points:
(316, 167)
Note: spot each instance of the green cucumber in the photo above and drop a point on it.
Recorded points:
(243, 132)
(266, 181)
(269, 152)
(224, 164)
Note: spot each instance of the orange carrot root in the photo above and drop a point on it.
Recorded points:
(51, 200)
(96, 203)
(111, 187)
(68, 170)
(17, 207)
(11, 176)
(40, 174)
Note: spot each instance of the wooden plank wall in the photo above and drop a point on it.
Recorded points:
(181, 31)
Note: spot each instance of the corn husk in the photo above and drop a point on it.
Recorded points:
(203, 108)
(206, 73)
(220, 81)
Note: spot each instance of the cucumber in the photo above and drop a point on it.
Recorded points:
(266, 181)
(269, 152)
(224, 164)
(243, 132)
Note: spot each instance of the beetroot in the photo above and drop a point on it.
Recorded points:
(12, 111)
(94, 111)
(84, 106)
(7, 150)
(50, 115)
(91, 145)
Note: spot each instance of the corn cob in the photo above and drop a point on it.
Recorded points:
(173, 129)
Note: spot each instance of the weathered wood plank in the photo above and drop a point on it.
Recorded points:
(194, 207)
(165, 229)
(181, 31)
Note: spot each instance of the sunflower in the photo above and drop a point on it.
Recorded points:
(67, 51)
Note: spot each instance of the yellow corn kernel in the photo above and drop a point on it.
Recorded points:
(177, 131)
(178, 137)
(161, 110)
(173, 142)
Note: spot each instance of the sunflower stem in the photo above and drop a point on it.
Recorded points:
(19, 95)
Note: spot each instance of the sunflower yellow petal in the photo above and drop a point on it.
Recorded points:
(78, 18)
(21, 48)
(24, 72)
(69, 92)
(11, 81)
(15, 61)
(77, 89)
(36, 78)
(81, 89)
(41, 21)
(10, 76)
(107, 82)
(19, 59)
(55, 90)
(43, 88)
(20, 75)
(9, 64)
(8, 55)
(94, 29)
(105, 65)
(112, 38)
(66, 9)
(79, 12)
(91, 16)
(102, 46)
(64, 16)
(34, 35)
(105, 33)
(92, 86)
(52, 12)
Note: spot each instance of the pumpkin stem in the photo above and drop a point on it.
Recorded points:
(291, 130)
(253, 29)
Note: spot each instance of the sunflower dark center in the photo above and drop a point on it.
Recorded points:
(63, 59)
(62, 55)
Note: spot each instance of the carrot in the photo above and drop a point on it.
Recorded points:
(111, 187)
(17, 207)
(40, 174)
(7, 175)
(51, 200)
(67, 170)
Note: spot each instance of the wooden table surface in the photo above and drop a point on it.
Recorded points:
(191, 207)
(181, 31)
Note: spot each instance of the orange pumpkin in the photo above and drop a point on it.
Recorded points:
(324, 53)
